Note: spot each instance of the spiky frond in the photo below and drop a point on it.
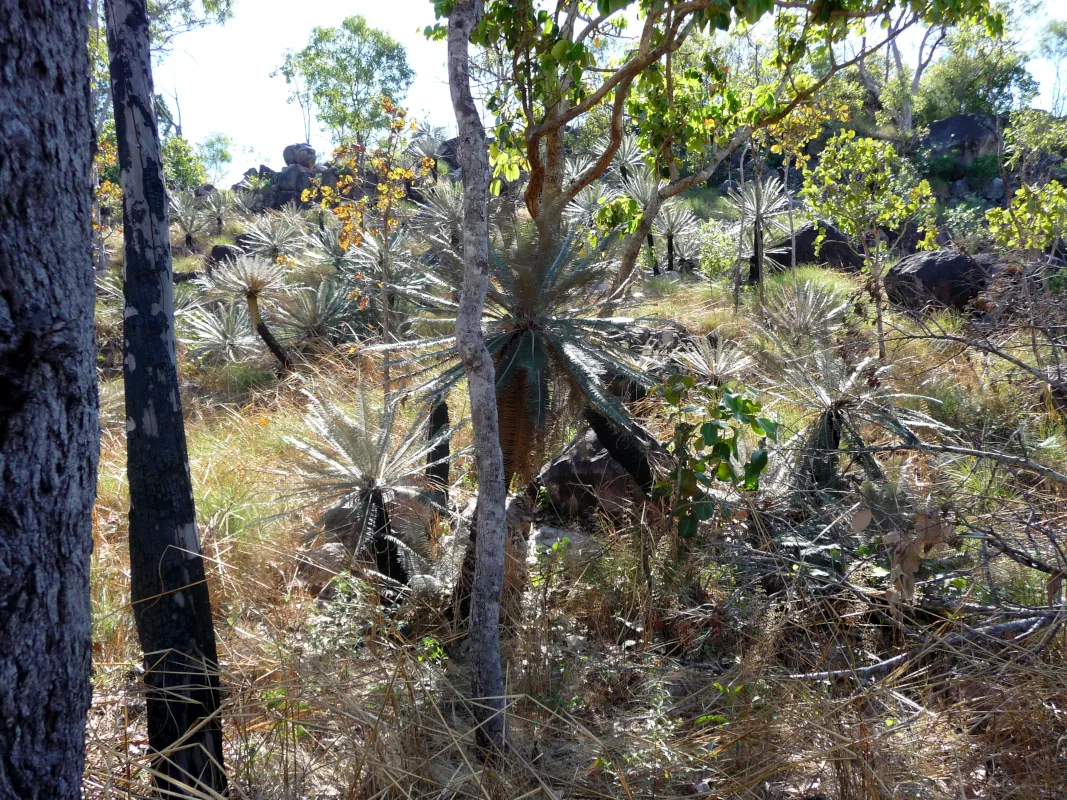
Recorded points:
(805, 311)
(351, 458)
(675, 219)
(428, 142)
(219, 334)
(714, 363)
(323, 248)
(442, 214)
(641, 184)
(544, 329)
(218, 206)
(187, 215)
(771, 199)
(629, 158)
(323, 314)
(276, 234)
(245, 276)
(582, 210)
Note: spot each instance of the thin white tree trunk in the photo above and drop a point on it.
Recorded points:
(481, 382)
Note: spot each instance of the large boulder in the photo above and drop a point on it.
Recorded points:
(966, 136)
(941, 277)
(223, 252)
(301, 154)
(836, 250)
(584, 477)
(294, 178)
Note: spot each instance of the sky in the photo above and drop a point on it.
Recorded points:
(221, 74)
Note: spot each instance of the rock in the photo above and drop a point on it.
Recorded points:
(905, 240)
(302, 154)
(967, 136)
(585, 477)
(266, 173)
(224, 252)
(960, 188)
(943, 277)
(204, 190)
(294, 178)
(578, 548)
(836, 250)
(994, 192)
(449, 152)
(182, 277)
(729, 186)
(319, 565)
(251, 172)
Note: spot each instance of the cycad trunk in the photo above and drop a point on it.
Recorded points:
(266, 334)
(488, 585)
(49, 435)
(437, 469)
(171, 604)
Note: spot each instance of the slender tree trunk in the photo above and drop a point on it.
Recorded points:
(632, 248)
(481, 379)
(266, 334)
(171, 604)
(437, 467)
(49, 431)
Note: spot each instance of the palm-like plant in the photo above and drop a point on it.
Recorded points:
(546, 334)
(251, 278)
(276, 235)
(762, 213)
(429, 143)
(442, 213)
(805, 312)
(640, 184)
(629, 159)
(714, 363)
(675, 221)
(364, 467)
(839, 401)
(187, 214)
(218, 207)
(323, 248)
(220, 334)
(582, 210)
(320, 315)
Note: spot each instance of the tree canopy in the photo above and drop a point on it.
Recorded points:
(343, 71)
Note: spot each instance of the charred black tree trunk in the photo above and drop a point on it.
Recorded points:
(171, 604)
(652, 254)
(437, 469)
(49, 434)
(624, 447)
(386, 552)
(670, 252)
(826, 443)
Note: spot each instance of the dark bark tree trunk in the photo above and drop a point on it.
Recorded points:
(488, 585)
(49, 431)
(437, 469)
(624, 447)
(170, 597)
(652, 253)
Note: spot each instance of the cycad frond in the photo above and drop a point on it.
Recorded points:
(582, 210)
(187, 214)
(714, 363)
(675, 219)
(805, 311)
(321, 314)
(245, 276)
(771, 199)
(275, 234)
(217, 335)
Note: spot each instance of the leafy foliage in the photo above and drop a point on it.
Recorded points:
(344, 70)
(1036, 220)
(181, 165)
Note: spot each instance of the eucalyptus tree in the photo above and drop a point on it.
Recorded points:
(49, 430)
(554, 67)
(170, 598)
(490, 529)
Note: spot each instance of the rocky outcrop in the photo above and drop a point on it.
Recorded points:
(943, 277)
(223, 252)
(302, 155)
(584, 478)
(836, 250)
(966, 136)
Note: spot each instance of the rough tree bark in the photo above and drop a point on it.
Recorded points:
(49, 433)
(481, 381)
(171, 604)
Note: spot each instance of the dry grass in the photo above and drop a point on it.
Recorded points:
(698, 675)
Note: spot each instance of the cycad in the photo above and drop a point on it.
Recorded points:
(429, 143)
(629, 158)
(839, 401)
(714, 363)
(761, 212)
(218, 207)
(363, 468)
(251, 278)
(675, 221)
(323, 248)
(583, 209)
(187, 214)
(545, 332)
(274, 235)
(641, 184)
(805, 312)
(219, 334)
(322, 315)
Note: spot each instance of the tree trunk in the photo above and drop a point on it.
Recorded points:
(171, 604)
(266, 334)
(437, 467)
(49, 431)
(488, 585)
